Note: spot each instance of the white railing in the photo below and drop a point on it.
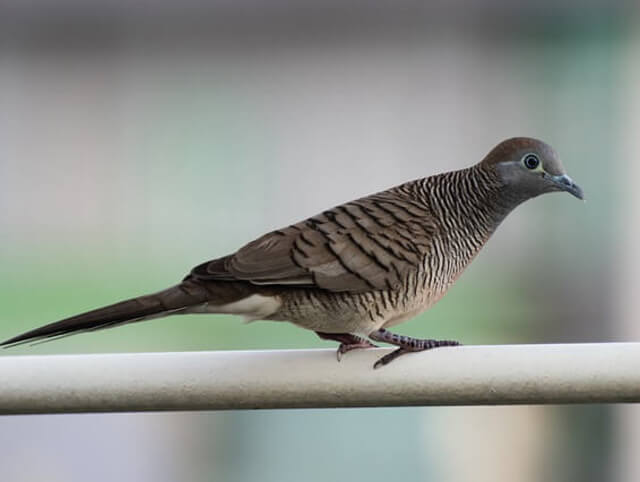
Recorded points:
(468, 375)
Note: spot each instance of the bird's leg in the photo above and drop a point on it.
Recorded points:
(347, 341)
(407, 344)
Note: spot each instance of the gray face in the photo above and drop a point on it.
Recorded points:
(531, 167)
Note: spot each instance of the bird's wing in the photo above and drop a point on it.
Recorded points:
(369, 244)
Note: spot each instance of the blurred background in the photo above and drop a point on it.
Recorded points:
(138, 139)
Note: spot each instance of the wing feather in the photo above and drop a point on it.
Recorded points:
(369, 244)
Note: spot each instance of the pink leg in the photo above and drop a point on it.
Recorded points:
(407, 344)
(347, 341)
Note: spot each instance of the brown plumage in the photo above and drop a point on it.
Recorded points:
(354, 270)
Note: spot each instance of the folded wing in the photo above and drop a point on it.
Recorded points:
(370, 244)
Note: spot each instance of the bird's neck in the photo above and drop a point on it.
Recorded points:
(470, 202)
(494, 196)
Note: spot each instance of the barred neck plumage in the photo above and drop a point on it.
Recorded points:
(468, 205)
(472, 200)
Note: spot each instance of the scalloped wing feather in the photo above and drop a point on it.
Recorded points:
(370, 244)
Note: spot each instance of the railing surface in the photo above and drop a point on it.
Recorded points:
(224, 380)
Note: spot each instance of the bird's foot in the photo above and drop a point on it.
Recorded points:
(347, 341)
(344, 347)
(406, 344)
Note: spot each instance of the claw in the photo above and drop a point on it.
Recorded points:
(389, 357)
(347, 347)
(347, 341)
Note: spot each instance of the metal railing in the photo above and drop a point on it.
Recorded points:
(467, 375)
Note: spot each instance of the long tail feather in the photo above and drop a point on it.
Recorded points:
(164, 303)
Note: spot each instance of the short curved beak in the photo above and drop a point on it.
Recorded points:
(565, 183)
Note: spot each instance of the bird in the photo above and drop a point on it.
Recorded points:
(352, 272)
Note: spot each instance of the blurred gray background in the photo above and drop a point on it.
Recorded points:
(138, 139)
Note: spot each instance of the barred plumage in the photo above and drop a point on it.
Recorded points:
(359, 268)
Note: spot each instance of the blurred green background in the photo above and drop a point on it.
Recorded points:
(137, 142)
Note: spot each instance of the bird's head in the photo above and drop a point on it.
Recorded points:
(529, 167)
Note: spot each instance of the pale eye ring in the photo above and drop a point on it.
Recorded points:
(531, 161)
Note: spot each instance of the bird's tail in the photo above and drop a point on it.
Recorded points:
(170, 301)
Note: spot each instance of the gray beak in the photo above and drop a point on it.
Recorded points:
(565, 183)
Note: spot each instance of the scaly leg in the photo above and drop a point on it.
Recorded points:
(406, 344)
(347, 341)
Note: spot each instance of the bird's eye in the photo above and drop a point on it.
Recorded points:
(531, 161)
